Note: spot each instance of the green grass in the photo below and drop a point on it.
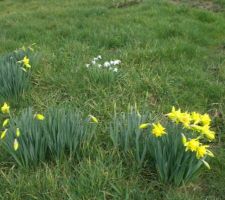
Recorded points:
(171, 55)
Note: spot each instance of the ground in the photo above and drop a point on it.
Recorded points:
(172, 53)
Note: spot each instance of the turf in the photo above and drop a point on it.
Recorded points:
(172, 54)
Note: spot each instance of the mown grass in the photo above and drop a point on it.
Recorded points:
(171, 55)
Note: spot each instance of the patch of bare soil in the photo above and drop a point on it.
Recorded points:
(206, 5)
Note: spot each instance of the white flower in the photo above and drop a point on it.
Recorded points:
(117, 62)
(93, 62)
(115, 70)
(99, 65)
(99, 57)
(112, 62)
(106, 64)
(87, 65)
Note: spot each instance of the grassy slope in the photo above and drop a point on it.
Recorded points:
(172, 55)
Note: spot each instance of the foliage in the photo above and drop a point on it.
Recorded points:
(126, 135)
(14, 78)
(61, 132)
(67, 132)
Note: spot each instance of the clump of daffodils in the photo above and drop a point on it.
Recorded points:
(200, 125)
(193, 121)
(97, 63)
(24, 53)
(196, 132)
(8, 123)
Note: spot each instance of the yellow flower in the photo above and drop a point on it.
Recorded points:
(4, 133)
(158, 130)
(15, 144)
(196, 117)
(5, 122)
(174, 115)
(196, 128)
(17, 132)
(39, 117)
(192, 144)
(202, 151)
(210, 135)
(205, 119)
(144, 126)
(5, 108)
(185, 119)
(26, 62)
(93, 119)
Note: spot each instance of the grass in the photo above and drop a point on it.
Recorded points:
(171, 54)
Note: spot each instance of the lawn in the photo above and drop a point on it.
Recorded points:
(172, 54)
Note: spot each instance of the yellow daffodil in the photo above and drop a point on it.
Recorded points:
(15, 144)
(202, 151)
(185, 119)
(205, 119)
(192, 144)
(5, 122)
(158, 130)
(5, 108)
(25, 62)
(4, 133)
(144, 126)
(196, 128)
(39, 117)
(93, 119)
(196, 117)
(210, 135)
(17, 132)
(174, 115)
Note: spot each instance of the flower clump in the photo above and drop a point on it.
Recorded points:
(200, 126)
(107, 65)
(8, 122)
(193, 121)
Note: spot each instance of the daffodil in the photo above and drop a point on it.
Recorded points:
(196, 128)
(25, 62)
(202, 151)
(5, 122)
(192, 144)
(93, 119)
(174, 115)
(15, 144)
(17, 132)
(158, 130)
(185, 119)
(210, 135)
(144, 126)
(39, 117)
(4, 133)
(5, 108)
(196, 117)
(205, 119)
